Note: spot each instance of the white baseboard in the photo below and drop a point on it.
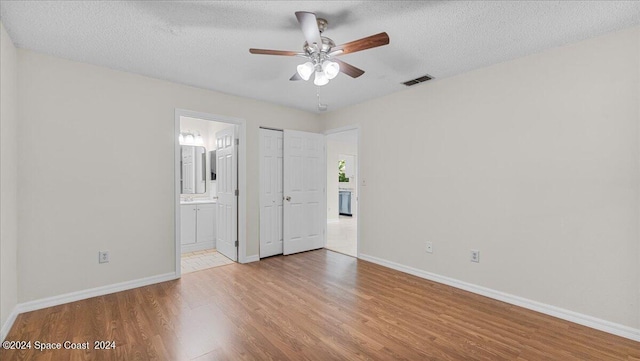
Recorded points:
(4, 331)
(80, 295)
(249, 259)
(92, 292)
(198, 246)
(582, 319)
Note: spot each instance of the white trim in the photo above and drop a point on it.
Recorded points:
(242, 198)
(81, 295)
(9, 323)
(242, 179)
(253, 258)
(176, 196)
(579, 318)
(342, 129)
(325, 229)
(93, 292)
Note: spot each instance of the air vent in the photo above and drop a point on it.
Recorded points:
(419, 80)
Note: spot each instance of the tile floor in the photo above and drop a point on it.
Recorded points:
(199, 260)
(342, 236)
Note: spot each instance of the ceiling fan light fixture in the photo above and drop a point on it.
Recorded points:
(331, 68)
(305, 70)
(320, 79)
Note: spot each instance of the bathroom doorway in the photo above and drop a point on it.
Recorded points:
(207, 190)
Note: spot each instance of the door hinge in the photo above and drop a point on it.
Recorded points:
(237, 141)
(236, 243)
(237, 193)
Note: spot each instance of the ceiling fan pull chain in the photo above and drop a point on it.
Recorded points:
(321, 107)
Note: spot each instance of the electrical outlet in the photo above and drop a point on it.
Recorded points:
(429, 248)
(475, 255)
(103, 257)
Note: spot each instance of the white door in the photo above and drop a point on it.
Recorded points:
(271, 153)
(304, 205)
(227, 184)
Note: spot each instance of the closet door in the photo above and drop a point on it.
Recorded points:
(304, 192)
(271, 187)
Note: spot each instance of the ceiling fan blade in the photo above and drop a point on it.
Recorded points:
(296, 76)
(273, 52)
(349, 69)
(369, 42)
(309, 24)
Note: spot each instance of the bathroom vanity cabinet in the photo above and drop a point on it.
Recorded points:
(197, 225)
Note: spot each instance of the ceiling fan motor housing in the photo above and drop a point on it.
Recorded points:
(325, 47)
(322, 24)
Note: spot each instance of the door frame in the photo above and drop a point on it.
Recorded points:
(355, 127)
(242, 180)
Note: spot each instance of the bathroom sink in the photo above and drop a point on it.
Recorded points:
(197, 201)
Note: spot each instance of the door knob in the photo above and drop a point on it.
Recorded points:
(288, 199)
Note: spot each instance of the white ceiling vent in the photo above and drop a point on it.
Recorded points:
(419, 80)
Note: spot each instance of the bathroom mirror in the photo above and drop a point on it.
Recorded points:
(193, 165)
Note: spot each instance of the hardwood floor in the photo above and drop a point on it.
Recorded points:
(317, 305)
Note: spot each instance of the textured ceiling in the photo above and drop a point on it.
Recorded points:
(205, 44)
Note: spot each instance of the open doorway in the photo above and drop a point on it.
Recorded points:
(342, 192)
(207, 189)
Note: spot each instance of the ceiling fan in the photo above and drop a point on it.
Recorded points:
(321, 52)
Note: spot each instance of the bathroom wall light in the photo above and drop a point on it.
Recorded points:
(199, 140)
(190, 138)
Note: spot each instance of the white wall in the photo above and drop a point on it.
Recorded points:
(8, 178)
(93, 183)
(534, 162)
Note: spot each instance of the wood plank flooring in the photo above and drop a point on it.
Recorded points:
(316, 305)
